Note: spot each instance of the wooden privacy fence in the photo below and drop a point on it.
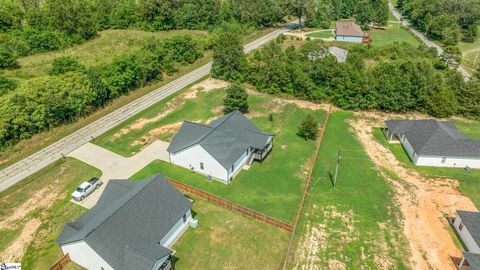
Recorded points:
(232, 206)
(60, 264)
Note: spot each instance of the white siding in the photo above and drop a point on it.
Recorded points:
(191, 158)
(449, 162)
(349, 39)
(467, 238)
(176, 230)
(239, 164)
(409, 149)
(82, 254)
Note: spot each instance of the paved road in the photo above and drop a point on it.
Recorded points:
(114, 166)
(39, 160)
(466, 75)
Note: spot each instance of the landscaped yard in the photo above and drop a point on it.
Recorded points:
(321, 34)
(34, 211)
(394, 33)
(469, 181)
(228, 240)
(272, 187)
(354, 225)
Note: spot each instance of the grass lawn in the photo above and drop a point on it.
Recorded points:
(354, 225)
(469, 181)
(45, 198)
(100, 50)
(227, 240)
(394, 33)
(322, 34)
(272, 187)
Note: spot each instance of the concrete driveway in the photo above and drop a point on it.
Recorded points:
(114, 166)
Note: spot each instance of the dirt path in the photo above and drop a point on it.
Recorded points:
(424, 202)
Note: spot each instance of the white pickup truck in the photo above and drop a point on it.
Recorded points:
(86, 188)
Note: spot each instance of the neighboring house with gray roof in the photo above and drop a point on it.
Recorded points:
(220, 149)
(434, 143)
(467, 226)
(131, 227)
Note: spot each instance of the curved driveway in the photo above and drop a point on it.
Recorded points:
(39, 160)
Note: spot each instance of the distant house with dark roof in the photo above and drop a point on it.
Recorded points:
(349, 31)
(132, 226)
(434, 143)
(467, 226)
(220, 149)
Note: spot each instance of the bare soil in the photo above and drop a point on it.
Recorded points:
(15, 251)
(425, 203)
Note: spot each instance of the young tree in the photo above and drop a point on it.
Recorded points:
(229, 61)
(236, 99)
(64, 64)
(308, 128)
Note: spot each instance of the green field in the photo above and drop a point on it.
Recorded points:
(227, 240)
(354, 225)
(394, 33)
(469, 181)
(272, 187)
(322, 34)
(43, 198)
(100, 50)
(471, 51)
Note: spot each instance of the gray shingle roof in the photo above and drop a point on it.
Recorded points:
(226, 138)
(128, 222)
(473, 260)
(471, 220)
(435, 138)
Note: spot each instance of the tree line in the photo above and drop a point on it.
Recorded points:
(444, 20)
(396, 78)
(72, 90)
(32, 26)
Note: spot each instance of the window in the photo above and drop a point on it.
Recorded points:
(201, 165)
(184, 217)
(444, 159)
(460, 227)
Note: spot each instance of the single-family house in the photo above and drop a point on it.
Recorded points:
(467, 226)
(132, 226)
(219, 150)
(349, 31)
(434, 143)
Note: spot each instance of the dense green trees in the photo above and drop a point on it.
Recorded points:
(229, 62)
(7, 58)
(444, 20)
(236, 99)
(73, 90)
(398, 78)
(321, 12)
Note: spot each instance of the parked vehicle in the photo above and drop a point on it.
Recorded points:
(86, 188)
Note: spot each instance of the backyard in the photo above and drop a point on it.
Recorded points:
(321, 34)
(227, 240)
(356, 224)
(469, 181)
(393, 33)
(34, 211)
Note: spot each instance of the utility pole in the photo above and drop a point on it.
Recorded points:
(339, 157)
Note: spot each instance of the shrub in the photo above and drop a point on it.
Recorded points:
(236, 99)
(65, 64)
(7, 58)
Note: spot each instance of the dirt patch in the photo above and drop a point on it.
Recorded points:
(218, 234)
(424, 202)
(41, 199)
(15, 251)
(315, 241)
(152, 136)
(204, 86)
